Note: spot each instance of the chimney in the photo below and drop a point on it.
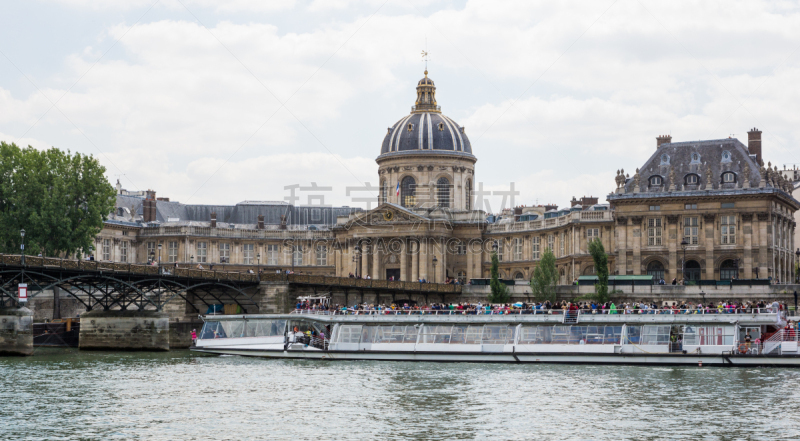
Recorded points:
(754, 144)
(283, 222)
(663, 139)
(260, 222)
(149, 207)
(213, 219)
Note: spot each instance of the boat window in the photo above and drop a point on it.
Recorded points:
(436, 334)
(393, 334)
(212, 330)
(469, 335)
(497, 335)
(570, 335)
(655, 335)
(265, 328)
(349, 334)
(223, 329)
(708, 335)
(633, 335)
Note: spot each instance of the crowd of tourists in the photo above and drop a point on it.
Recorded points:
(547, 307)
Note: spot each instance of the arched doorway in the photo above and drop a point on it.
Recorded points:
(692, 270)
(728, 270)
(655, 269)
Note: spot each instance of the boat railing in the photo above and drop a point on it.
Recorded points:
(571, 316)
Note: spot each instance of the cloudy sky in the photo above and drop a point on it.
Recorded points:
(218, 104)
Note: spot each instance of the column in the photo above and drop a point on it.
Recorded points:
(365, 249)
(404, 260)
(673, 241)
(764, 242)
(746, 228)
(376, 263)
(471, 261)
(622, 248)
(423, 258)
(414, 247)
(441, 256)
(636, 264)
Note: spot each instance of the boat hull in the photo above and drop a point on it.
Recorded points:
(519, 357)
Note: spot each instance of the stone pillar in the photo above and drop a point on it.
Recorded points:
(124, 330)
(441, 265)
(404, 260)
(365, 249)
(763, 245)
(709, 220)
(423, 258)
(673, 242)
(414, 247)
(639, 235)
(376, 263)
(746, 228)
(16, 331)
(622, 248)
(471, 261)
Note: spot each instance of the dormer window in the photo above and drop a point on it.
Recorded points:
(726, 156)
(441, 127)
(656, 180)
(692, 179)
(411, 127)
(695, 157)
(728, 177)
(665, 158)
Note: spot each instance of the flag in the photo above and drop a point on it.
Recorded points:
(397, 192)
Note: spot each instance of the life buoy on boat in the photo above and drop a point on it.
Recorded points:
(742, 348)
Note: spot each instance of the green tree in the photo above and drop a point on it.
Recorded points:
(60, 199)
(499, 292)
(545, 278)
(600, 258)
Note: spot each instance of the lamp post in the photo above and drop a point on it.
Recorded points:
(294, 250)
(22, 246)
(191, 259)
(435, 261)
(159, 258)
(684, 244)
(258, 260)
(796, 272)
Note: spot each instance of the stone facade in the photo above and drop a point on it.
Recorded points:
(124, 330)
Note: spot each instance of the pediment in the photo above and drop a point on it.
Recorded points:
(387, 214)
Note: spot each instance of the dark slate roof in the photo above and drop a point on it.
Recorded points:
(694, 157)
(425, 135)
(239, 214)
(717, 193)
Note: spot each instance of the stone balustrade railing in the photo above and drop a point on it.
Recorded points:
(235, 233)
(579, 216)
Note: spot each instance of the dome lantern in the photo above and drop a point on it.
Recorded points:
(426, 96)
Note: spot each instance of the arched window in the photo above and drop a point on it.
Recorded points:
(384, 192)
(468, 200)
(728, 177)
(518, 276)
(728, 270)
(408, 192)
(655, 269)
(443, 192)
(589, 271)
(692, 179)
(692, 270)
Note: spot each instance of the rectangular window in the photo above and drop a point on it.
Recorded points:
(690, 207)
(224, 253)
(535, 248)
(518, 248)
(272, 254)
(297, 255)
(551, 242)
(690, 229)
(461, 249)
(172, 252)
(728, 229)
(727, 205)
(202, 252)
(106, 249)
(151, 251)
(655, 207)
(592, 234)
(561, 244)
(654, 231)
(123, 252)
(499, 245)
(247, 253)
(322, 255)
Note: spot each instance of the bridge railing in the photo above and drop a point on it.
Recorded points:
(140, 269)
(117, 267)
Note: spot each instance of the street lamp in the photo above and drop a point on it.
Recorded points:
(22, 246)
(191, 259)
(159, 258)
(684, 244)
(258, 259)
(435, 261)
(796, 272)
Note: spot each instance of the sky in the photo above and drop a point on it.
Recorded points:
(221, 102)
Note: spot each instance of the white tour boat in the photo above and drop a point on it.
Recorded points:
(749, 337)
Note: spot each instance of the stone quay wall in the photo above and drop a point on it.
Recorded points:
(16, 331)
(125, 331)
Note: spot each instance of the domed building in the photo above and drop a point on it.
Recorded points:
(427, 156)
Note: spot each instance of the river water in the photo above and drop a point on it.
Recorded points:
(67, 394)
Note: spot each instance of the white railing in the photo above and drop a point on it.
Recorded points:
(529, 311)
(774, 343)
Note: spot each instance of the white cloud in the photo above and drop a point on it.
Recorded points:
(590, 89)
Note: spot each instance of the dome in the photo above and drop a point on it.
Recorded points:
(426, 129)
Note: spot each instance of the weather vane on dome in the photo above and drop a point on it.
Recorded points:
(425, 56)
